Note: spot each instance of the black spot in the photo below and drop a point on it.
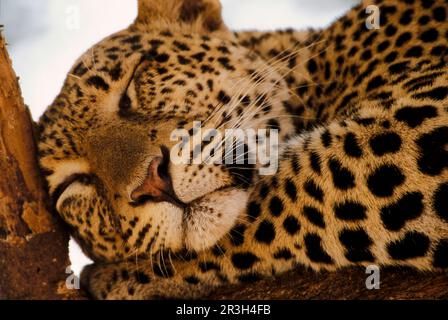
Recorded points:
(182, 60)
(273, 124)
(440, 201)
(223, 97)
(403, 38)
(398, 67)
(98, 82)
(80, 69)
(191, 280)
(343, 178)
(225, 62)
(265, 232)
(163, 57)
(141, 277)
(253, 210)
(412, 245)
(383, 181)
(350, 210)
(391, 57)
(430, 35)
(314, 216)
(276, 206)
(3, 233)
(441, 254)
(423, 20)
(351, 146)
(291, 225)
(210, 84)
(283, 254)
(439, 51)
(125, 274)
(313, 190)
(326, 138)
(414, 52)
(365, 121)
(439, 14)
(385, 124)
(291, 189)
(390, 30)
(327, 72)
(427, 3)
(384, 143)
(208, 266)
(218, 251)
(244, 260)
(264, 191)
(415, 116)
(433, 151)
(346, 100)
(131, 291)
(223, 49)
(383, 46)
(314, 249)
(181, 46)
(315, 162)
(312, 66)
(357, 243)
(406, 17)
(408, 207)
(162, 70)
(199, 56)
(438, 94)
(366, 55)
(141, 235)
(237, 234)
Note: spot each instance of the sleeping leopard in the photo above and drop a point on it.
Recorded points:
(362, 120)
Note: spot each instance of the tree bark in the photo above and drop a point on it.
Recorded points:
(345, 284)
(33, 242)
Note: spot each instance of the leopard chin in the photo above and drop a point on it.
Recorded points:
(208, 219)
(198, 225)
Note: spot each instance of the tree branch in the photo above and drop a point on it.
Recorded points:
(347, 284)
(33, 242)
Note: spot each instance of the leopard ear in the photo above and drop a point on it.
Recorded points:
(201, 16)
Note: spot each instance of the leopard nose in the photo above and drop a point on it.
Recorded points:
(157, 186)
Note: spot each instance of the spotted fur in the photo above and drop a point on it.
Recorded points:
(363, 171)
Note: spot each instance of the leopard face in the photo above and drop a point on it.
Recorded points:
(105, 141)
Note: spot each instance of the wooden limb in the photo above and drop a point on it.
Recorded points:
(33, 243)
(346, 284)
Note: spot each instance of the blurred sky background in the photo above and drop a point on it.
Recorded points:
(45, 37)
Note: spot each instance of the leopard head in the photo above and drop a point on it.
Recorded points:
(106, 142)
